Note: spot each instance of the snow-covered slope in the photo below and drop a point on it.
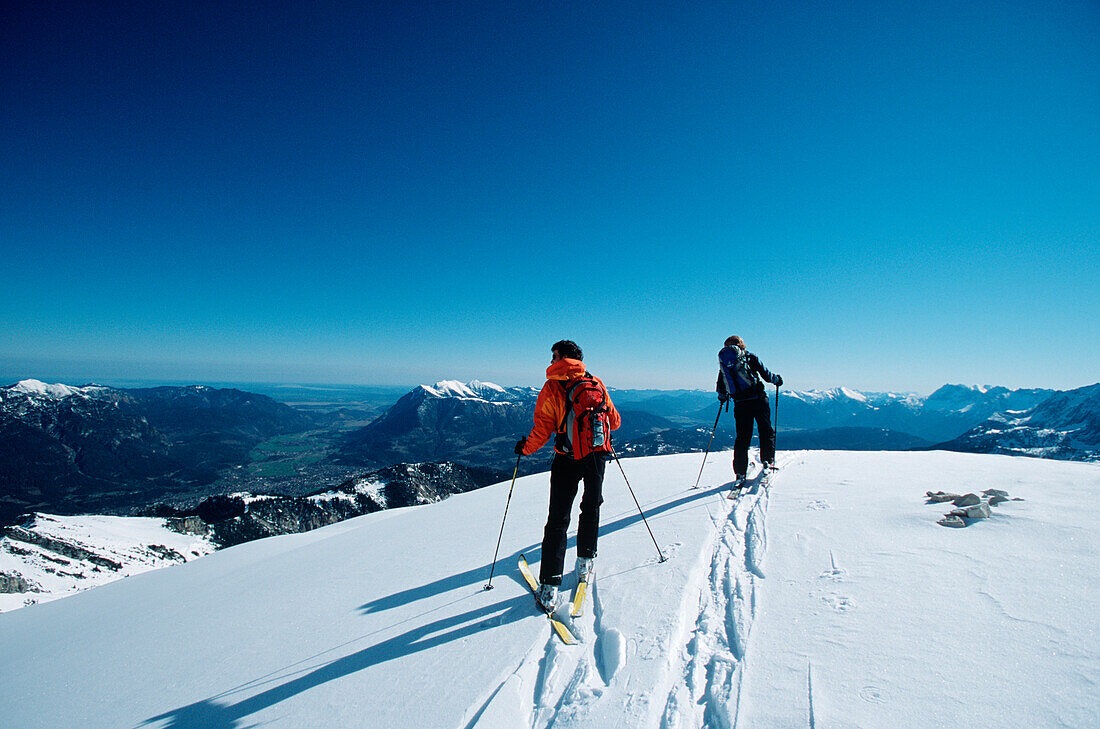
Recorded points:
(830, 598)
(56, 556)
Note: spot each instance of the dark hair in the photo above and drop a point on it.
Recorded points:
(735, 340)
(568, 348)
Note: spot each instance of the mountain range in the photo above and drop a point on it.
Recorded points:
(69, 450)
(92, 448)
(1065, 425)
(477, 423)
(474, 423)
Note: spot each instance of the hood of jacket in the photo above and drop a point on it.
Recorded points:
(565, 369)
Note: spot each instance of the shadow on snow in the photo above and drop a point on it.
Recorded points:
(214, 713)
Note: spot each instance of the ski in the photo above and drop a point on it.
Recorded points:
(762, 477)
(766, 474)
(577, 609)
(738, 486)
(559, 627)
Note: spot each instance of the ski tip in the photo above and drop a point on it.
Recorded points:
(563, 632)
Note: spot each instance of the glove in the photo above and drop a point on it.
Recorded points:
(778, 381)
(723, 397)
(520, 444)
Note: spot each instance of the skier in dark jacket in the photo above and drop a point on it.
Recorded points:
(739, 373)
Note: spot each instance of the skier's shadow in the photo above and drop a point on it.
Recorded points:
(216, 713)
(505, 565)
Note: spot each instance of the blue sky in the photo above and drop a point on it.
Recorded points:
(882, 195)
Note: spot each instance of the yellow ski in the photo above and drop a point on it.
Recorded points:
(578, 600)
(559, 627)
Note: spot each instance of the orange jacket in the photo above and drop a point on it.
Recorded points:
(551, 404)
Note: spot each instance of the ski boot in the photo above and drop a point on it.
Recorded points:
(547, 597)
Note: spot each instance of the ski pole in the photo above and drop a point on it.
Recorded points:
(659, 554)
(712, 431)
(489, 585)
(775, 428)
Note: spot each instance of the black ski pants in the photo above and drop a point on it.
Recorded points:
(744, 413)
(565, 477)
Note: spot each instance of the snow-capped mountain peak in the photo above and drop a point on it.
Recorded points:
(478, 385)
(852, 394)
(454, 388)
(474, 390)
(821, 396)
(56, 391)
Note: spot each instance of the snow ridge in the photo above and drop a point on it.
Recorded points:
(384, 619)
(43, 391)
(473, 390)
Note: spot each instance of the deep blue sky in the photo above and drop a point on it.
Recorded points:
(883, 195)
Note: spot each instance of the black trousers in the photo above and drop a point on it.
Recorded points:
(565, 477)
(744, 413)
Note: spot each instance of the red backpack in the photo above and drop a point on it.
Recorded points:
(587, 425)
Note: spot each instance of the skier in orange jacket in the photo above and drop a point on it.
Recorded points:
(580, 453)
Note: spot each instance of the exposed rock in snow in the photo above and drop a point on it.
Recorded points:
(977, 511)
(941, 497)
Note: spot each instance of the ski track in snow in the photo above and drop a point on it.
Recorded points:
(556, 686)
(706, 675)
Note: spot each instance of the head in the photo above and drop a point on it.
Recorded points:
(566, 348)
(735, 341)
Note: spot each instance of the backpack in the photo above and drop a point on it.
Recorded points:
(737, 371)
(587, 424)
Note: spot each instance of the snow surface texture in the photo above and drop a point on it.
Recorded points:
(828, 597)
(75, 553)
